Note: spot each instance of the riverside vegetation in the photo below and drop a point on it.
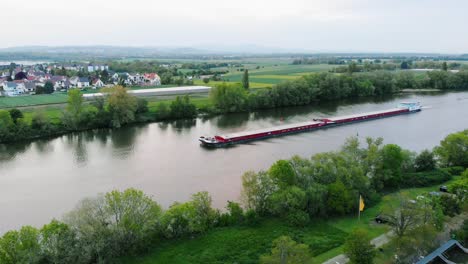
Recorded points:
(286, 204)
(119, 108)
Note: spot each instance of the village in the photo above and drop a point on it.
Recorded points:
(43, 78)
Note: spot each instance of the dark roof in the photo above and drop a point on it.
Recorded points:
(83, 79)
(438, 252)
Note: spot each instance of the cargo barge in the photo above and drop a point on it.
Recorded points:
(225, 140)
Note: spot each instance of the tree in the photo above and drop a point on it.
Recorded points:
(135, 216)
(206, 80)
(163, 111)
(104, 76)
(425, 161)
(176, 220)
(15, 114)
(236, 214)
(453, 149)
(181, 107)
(114, 224)
(48, 87)
(406, 216)
(204, 215)
(358, 247)
(392, 161)
(41, 123)
(122, 106)
(245, 79)
(20, 246)
(20, 76)
(404, 65)
(287, 200)
(142, 106)
(59, 243)
(73, 112)
(339, 200)
(444, 66)
(256, 191)
(228, 98)
(287, 251)
(282, 173)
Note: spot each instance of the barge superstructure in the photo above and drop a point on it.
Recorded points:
(235, 138)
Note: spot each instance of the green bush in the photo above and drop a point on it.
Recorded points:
(298, 218)
(455, 170)
(426, 178)
(252, 218)
(450, 205)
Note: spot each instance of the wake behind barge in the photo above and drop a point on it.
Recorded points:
(225, 140)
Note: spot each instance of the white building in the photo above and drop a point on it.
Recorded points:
(14, 88)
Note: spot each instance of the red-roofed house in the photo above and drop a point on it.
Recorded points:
(152, 79)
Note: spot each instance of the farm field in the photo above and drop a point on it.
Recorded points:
(28, 100)
(242, 244)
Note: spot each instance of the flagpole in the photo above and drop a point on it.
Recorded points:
(359, 208)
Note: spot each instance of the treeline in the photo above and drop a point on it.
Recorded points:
(329, 184)
(116, 109)
(329, 86)
(105, 227)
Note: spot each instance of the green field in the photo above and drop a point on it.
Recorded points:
(239, 244)
(27, 100)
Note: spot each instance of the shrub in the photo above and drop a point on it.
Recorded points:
(455, 170)
(298, 218)
(252, 218)
(427, 178)
(450, 205)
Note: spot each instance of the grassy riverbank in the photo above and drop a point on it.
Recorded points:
(243, 244)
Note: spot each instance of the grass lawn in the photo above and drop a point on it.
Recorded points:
(28, 100)
(238, 244)
(253, 85)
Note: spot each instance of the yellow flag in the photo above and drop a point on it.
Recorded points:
(361, 204)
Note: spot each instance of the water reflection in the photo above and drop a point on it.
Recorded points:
(44, 146)
(77, 143)
(180, 125)
(9, 152)
(232, 120)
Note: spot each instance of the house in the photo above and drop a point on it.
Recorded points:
(93, 67)
(136, 79)
(152, 79)
(13, 88)
(82, 82)
(30, 87)
(59, 82)
(97, 83)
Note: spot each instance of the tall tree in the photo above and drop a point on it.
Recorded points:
(453, 149)
(72, 115)
(444, 66)
(122, 106)
(245, 79)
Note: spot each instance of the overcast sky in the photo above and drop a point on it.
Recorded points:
(312, 25)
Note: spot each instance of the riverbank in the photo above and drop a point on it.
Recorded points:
(325, 238)
(53, 174)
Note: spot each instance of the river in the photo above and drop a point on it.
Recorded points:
(43, 179)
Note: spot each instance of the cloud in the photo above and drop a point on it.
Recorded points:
(341, 25)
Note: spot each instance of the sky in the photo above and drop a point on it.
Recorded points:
(292, 25)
